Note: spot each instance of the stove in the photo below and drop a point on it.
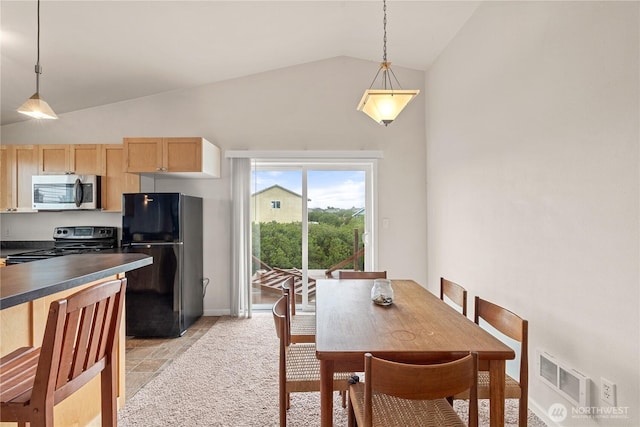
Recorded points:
(72, 240)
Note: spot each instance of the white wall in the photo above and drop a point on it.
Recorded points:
(533, 181)
(306, 107)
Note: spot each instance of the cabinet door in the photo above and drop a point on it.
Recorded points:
(54, 159)
(114, 180)
(18, 163)
(182, 154)
(26, 158)
(7, 192)
(143, 154)
(85, 159)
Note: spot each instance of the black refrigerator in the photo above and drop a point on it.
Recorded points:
(163, 299)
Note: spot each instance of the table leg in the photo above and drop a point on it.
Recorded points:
(326, 393)
(496, 391)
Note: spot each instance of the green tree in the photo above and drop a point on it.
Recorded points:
(331, 234)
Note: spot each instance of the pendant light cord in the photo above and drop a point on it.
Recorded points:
(384, 26)
(38, 69)
(386, 66)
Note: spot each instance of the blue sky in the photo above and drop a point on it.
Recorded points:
(338, 189)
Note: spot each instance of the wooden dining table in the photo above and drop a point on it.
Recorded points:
(417, 327)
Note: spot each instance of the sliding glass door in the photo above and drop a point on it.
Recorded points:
(308, 220)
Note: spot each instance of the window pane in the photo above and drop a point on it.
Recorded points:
(276, 220)
(336, 200)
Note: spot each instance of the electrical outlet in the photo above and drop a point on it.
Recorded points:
(608, 391)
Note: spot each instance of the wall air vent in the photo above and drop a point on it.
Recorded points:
(567, 381)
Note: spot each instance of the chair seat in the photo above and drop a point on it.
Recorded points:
(17, 375)
(511, 388)
(303, 370)
(390, 411)
(303, 328)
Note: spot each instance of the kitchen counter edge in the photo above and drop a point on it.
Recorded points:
(26, 282)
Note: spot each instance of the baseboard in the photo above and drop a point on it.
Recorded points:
(542, 413)
(217, 312)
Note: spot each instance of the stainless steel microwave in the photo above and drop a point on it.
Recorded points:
(65, 192)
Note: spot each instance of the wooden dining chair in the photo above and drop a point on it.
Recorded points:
(403, 394)
(299, 369)
(302, 326)
(516, 328)
(79, 343)
(362, 274)
(455, 293)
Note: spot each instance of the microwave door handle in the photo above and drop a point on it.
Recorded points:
(77, 190)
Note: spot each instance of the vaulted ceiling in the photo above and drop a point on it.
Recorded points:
(100, 52)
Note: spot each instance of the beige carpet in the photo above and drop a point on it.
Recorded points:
(229, 377)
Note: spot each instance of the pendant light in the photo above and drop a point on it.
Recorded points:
(384, 105)
(35, 106)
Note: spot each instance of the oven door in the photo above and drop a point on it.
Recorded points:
(65, 192)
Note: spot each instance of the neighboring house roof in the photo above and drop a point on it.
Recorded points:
(273, 187)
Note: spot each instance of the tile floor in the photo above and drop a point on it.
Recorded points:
(147, 357)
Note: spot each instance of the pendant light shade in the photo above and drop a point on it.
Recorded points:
(385, 104)
(35, 106)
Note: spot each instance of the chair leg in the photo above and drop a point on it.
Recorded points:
(523, 412)
(283, 417)
(343, 393)
(41, 418)
(351, 416)
(108, 403)
(283, 397)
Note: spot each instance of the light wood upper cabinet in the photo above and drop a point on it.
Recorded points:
(142, 154)
(6, 178)
(182, 154)
(86, 159)
(114, 180)
(79, 159)
(172, 157)
(17, 164)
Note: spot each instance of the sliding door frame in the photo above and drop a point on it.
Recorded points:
(308, 160)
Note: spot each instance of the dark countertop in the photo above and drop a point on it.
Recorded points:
(21, 283)
(5, 252)
(18, 246)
